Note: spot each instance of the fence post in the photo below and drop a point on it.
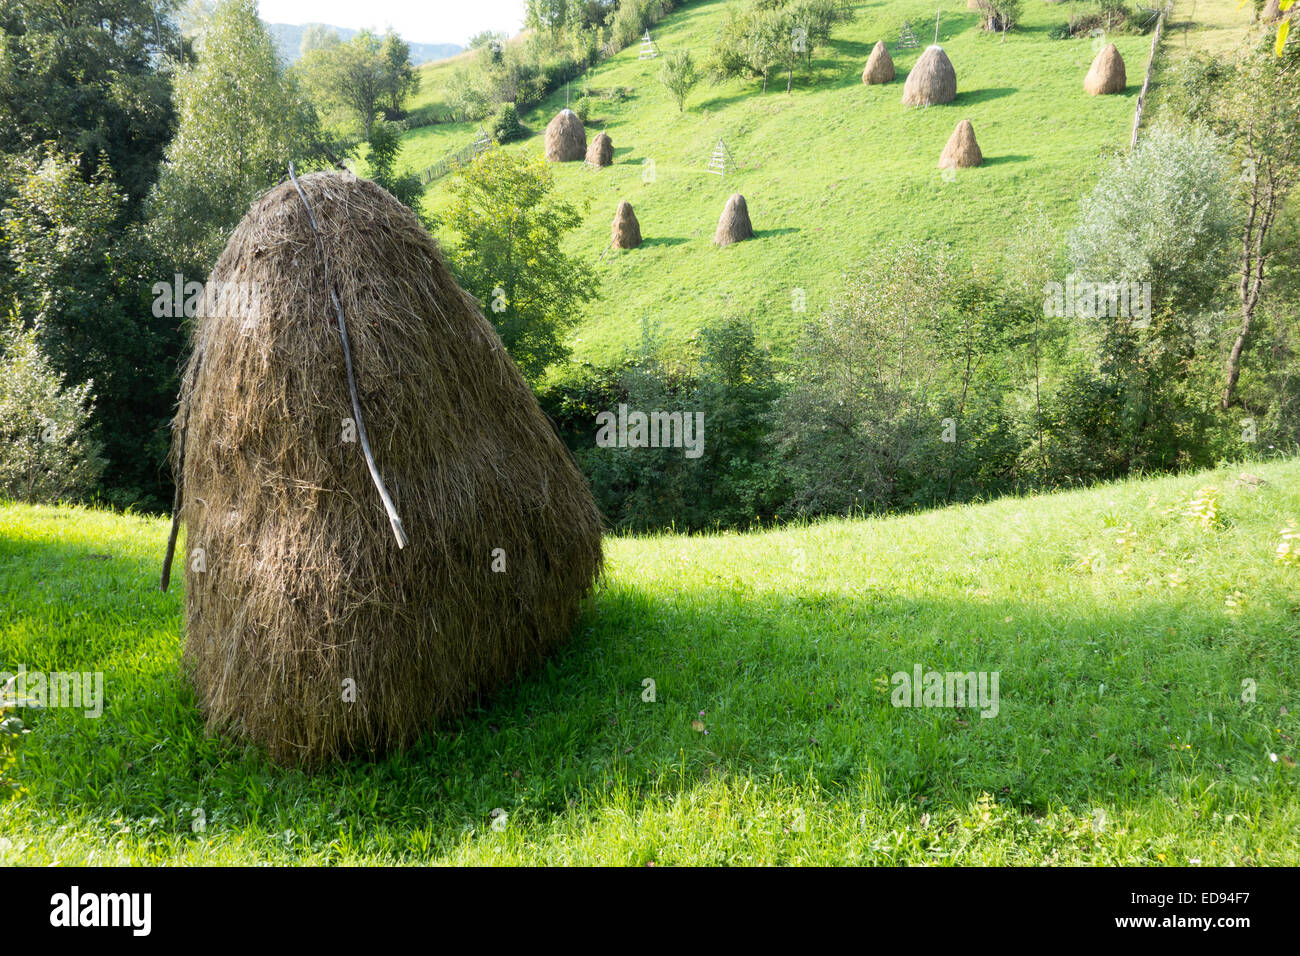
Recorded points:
(1151, 62)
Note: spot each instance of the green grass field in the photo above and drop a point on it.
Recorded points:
(831, 172)
(1123, 631)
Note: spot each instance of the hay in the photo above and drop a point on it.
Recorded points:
(566, 140)
(1106, 75)
(962, 151)
(601, 150)
(626, 232)
(1271, 12)
(880, 65)
(734, 226)
(308, 631)
(931, 81)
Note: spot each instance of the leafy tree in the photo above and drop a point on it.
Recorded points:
(385, 143)
(1260, 111)
(94, 80)
(47, 452)
(510, 255)
(317, 36)
(506, 127)
(242, 120)
(399, 78)
(352, 78)
(679, 75)
(84, 285)
(1161, 214)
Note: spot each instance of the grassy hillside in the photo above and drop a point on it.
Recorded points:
(1123, 630)
(831, 171)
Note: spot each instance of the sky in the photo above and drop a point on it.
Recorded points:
(417, 21)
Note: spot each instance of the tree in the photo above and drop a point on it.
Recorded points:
(82, 284)
(1260, 111)
(510, 255)
(350, 77)
(399, 78)
(47, 452)
(385, 143)
(1161, 214)
(317, 36)
(679, 76)
(102, 94)
(242, 121)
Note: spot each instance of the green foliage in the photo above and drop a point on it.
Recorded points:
(582, 109)
(732, 483)
(1161, 214)
(511, 257)
(353, 81)
(385, 143)
(506, 126)
(84, 284)
(679, 76)
(104, 95)
(47, 453)
(242, 121)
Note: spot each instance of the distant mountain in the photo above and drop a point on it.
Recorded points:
(288, 40)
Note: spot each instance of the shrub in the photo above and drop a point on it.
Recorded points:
(506, 126)
(583, 109)
(46, 454)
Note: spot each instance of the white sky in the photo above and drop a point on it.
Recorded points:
(417, 21)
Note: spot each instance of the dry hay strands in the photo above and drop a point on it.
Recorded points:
(566, 139)
(626, 232)
(962, 151)
(1106, 75)
(931, 81)
(880, 65)
(734, 224)
(308, 631)
(601, 151)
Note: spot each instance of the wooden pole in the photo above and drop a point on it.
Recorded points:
(1151, 61)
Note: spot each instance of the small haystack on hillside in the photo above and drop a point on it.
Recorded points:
(880, 65)
(1271, 13)
(1106, 75)
(627, 231)
(734, 226)
(566, 139)
(309, 630)
(601, 150)
(931, 81)
(962, 151)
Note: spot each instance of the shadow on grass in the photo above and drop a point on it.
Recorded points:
(1001, 160)
(664, 241)
(791, 685)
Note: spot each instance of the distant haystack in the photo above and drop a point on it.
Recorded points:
(601, 150)
(1107, 73)
(566, 140)
(931, 81)
(962, 151)
(734, 226)
(880, 65)
(1271, 13)
(627, 231)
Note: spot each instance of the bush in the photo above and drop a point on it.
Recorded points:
(583, 109)
(506, 126)
(46, 454)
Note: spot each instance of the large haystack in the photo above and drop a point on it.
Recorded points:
(309, 630)
(962, 151)
(566, 139)
(880, 65)
(734, 225)
(931, 81)
(1107, 73)
(601, 150)
(626, 231)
